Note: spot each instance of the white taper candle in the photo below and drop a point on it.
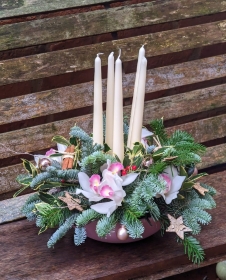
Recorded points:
(118, 143)
(138, 113)
(135, 94)
(97, 103)
(110, 102)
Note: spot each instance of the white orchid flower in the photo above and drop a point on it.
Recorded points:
(115, 168)
(173, 183)
(109, 187)
(95, 190)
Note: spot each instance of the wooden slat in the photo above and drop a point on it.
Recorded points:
(214, 156)
(80, 58)
(39, 137)
(204, 130)
(20, 8)
(103, 21)
(10, 209)
(123, 262)
(8, 178)
(81, 95)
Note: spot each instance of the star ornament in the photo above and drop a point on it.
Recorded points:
(176, 225)
(72, 203)
(200, 189)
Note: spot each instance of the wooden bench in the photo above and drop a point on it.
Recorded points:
(47, 53)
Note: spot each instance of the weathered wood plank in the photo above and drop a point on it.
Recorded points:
(80, 58)
(132, 261)
(204, 130)
(12, 8)
(81, 95)
(39, 137)
(213, 156)
(10, 209)
(8, 178)
(103, 21)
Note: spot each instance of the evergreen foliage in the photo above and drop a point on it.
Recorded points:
(92, 163)
(106, 224)
(193, 249)
(62, 230)
(87, 216)
(80, 235)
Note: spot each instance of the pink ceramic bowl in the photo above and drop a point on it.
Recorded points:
(112, 236)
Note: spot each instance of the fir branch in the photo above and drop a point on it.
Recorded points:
(80, 235)
(158, 129)
(106, 224)
(52, 215)
(190, 220)
(92, 163)
(133, 225)
(62, 230)
(87, 216)
(193, 249)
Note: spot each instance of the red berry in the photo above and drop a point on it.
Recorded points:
(124, 172)
(134, 167)
(63, 181)
(127, 168)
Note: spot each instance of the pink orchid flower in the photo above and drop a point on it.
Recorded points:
(114, 169)
(95, 190)
(109, 187)
(173, 183)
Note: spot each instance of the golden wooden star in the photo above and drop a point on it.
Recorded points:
(72, 203)
(199, 188)
(176, 225)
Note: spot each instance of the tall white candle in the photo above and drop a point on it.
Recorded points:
(135, 94)
(97, 104)
(118, 143)
(138, 114)
(110, 102)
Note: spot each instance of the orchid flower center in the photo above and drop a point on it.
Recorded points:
(115, 167)
(94, 182)
(106, 192)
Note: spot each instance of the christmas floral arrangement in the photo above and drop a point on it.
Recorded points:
(156, 179)
(148, 176)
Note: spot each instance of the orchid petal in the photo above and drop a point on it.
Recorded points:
(177, 182)
(94, 182)
(50, 152)
(170, 197)
(91, 196)
(115, 167)
(118, 197)
(61, 147)
(84, 181)
(145, 133)
(105, 208)
(107, 192)
(129, 178)
(103, 167)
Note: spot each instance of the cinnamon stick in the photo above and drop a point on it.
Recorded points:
(65, 160)
(71, 160)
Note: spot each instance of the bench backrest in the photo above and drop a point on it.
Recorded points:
(46, 72)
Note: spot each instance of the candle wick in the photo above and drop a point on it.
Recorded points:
(99, 54)
(119, 53)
